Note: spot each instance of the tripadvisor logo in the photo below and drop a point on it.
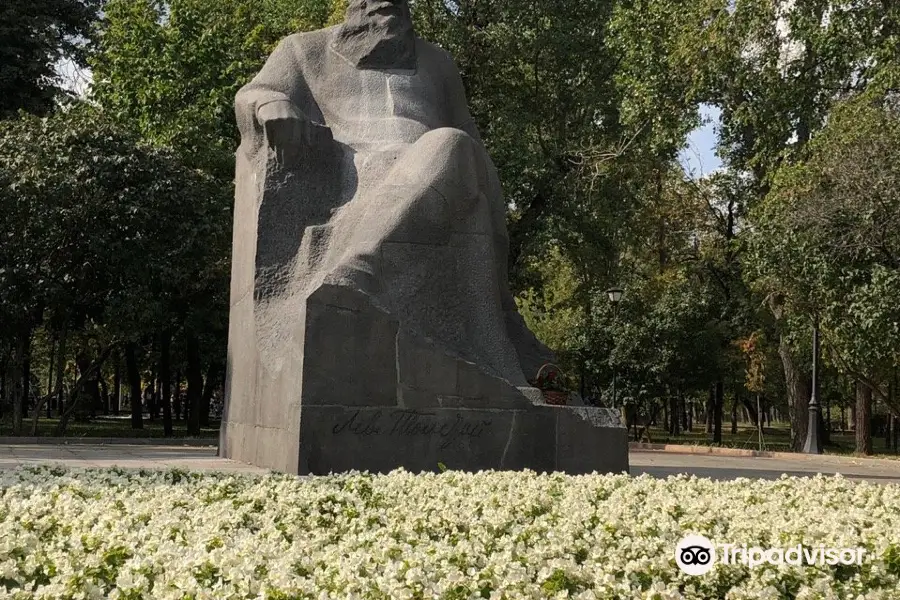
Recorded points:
(696, 555)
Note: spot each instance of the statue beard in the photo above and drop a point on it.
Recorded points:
(376, 40)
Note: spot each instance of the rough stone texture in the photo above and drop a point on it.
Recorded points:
(369, 273)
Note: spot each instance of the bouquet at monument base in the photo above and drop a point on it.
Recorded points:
(551, 381)
(497, 535)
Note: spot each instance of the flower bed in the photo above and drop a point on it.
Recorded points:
(120, 534)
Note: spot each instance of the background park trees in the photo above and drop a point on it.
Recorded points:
(108, 242)
(115, 233)
(34, 37)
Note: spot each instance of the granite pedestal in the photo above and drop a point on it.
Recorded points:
(373, 397)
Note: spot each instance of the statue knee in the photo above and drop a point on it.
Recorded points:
(447, 137)
(447, 146)
(455, 163)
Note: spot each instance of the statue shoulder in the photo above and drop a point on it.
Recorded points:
(435, 54)
(309, 46)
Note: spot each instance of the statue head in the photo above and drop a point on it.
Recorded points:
(379, 34)
(379, 13)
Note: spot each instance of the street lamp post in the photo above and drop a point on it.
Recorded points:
(615, 295)
(813, 443)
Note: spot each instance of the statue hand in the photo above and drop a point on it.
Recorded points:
(288, 132)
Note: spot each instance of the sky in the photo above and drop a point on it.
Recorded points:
(74, 78)
(699, 156)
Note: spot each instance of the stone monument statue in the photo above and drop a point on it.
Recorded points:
(372, 325)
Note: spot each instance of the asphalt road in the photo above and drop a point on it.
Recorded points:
(654, 463)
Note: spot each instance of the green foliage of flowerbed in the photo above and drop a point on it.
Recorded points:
(176, 534)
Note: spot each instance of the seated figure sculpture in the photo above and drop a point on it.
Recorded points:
(369, 290)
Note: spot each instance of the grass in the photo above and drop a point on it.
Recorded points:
(110, 427)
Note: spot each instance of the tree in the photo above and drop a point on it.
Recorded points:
(863, 419)
(34, 37)
(171, 69)
(103, 236)
(827, 240)
(775, 69)
(577, 108)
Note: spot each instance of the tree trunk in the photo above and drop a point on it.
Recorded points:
(692, 407)
(752, 412)
(176, 401)
(134, 383)
(4, 390)
(759, 422)
(631, 410)
(26, 380)
(798, 395)
(863, 419)
(82, 363)
(582, 383)
(166, 381)
(117, 386)
(104, 394)
(710, 409)
(90, 374)
(21, 374)
(194, 384)
(895, 421)
(157, 397)
(147, 397)
(665, 424)
(61, 372)
(734, 410)
(152, 393)
(889, 431)
(58, 392)
(50, 364)
(674, 416)
(718, 409)
(895, 444)
(212, 380)
(90, 388)
(15, 385)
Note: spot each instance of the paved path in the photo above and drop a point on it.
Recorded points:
(663, 464)
(143, 456)
(655, 463)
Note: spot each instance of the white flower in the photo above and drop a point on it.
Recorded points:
(118, 534)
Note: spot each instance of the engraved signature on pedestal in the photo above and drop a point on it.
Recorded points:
(410, 423)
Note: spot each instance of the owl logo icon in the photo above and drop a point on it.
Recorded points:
(695, 554)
